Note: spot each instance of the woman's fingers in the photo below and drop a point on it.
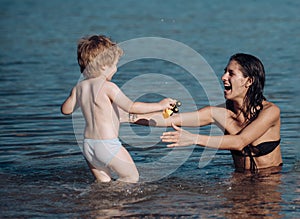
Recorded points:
(178, 138)
(170, 136)
(172, 145)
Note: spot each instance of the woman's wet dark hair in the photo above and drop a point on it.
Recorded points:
(253, 68)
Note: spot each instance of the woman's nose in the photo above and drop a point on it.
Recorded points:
(224, 76)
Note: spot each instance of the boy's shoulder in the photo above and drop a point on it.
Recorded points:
(105, 85)
(110, 85)
(110, 89)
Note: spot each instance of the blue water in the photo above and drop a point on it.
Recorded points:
(43, 173)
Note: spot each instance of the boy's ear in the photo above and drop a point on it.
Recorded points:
(103, 67)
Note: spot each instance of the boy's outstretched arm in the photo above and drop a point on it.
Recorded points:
(122, 101)
(70, 103)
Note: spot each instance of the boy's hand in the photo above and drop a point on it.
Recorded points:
(167, 103)
(70, 104)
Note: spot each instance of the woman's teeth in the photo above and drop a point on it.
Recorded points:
(227, 87)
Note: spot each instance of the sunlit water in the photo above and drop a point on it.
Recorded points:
(43, 173)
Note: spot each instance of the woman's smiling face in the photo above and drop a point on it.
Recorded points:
(235, 84)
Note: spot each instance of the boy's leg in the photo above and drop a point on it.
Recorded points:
(124, 166)
(102, 174)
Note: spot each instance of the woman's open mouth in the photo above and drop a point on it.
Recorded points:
(227, 87)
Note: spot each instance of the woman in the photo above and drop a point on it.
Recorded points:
(251, 123)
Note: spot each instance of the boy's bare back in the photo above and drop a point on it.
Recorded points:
(100, 113)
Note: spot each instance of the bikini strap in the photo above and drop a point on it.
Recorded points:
(247, 153)
(257, 151)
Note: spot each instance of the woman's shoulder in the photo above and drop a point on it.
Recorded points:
(270, 107)
(270, 111)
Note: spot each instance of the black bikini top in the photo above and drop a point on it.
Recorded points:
(256, 151)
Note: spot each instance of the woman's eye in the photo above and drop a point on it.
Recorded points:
(231, 73)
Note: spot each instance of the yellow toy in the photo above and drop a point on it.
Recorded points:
(169, 112)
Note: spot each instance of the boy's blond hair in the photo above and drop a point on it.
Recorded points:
(95, 51)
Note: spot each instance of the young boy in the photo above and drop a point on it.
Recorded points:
(99, 99)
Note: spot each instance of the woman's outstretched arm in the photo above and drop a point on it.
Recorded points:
(201, 117)
(267, 121)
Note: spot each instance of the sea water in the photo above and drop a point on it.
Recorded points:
(43, 173)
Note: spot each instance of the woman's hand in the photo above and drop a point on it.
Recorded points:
(179, 137)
